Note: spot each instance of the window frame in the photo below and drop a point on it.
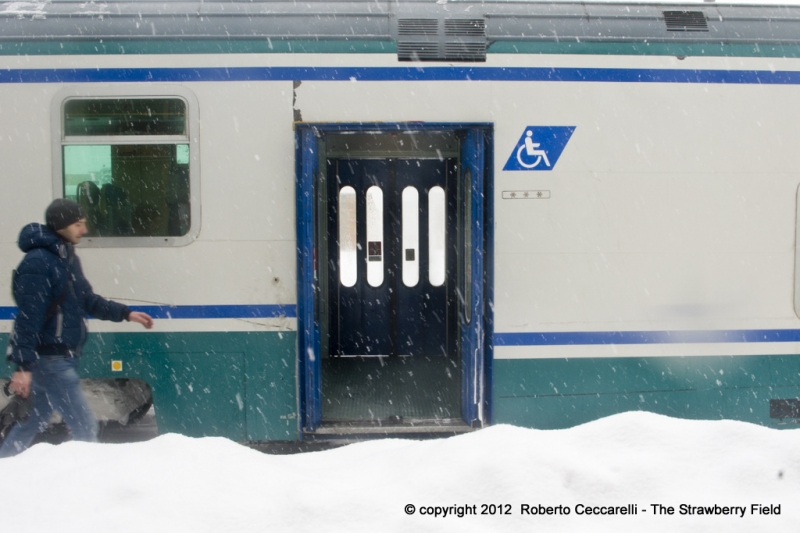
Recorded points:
(437, 236)
(348, 233)
(410, 230)
(93, 92)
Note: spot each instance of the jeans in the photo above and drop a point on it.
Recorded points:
(56, 387)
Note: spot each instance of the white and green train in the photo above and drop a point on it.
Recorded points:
(413, 217)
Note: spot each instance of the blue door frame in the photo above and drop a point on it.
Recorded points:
(308, 337)
(470, 319)
(476, 324)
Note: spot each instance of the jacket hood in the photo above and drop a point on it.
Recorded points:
(36, 235)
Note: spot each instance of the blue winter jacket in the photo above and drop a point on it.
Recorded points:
(51, 274)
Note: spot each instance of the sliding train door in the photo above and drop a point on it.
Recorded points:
(391, 305)
(388, 273)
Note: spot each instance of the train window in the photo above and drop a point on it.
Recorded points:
(125, 116)
(410, 243)
(129, 190)
(374, 236)
(436, 236)
(348, 262)
(130, 162)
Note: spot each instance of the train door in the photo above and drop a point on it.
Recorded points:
(391, 316)
(388, 274)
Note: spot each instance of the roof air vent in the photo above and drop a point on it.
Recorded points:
(417, 27)
(465, 28)
(449, 40)
(686, 21)
(465, 51)
(417, 51)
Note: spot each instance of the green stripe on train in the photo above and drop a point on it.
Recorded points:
(162, 47)
(242, 385)
(239, 385)
(561, 393)
(647, 49)
(267, 46)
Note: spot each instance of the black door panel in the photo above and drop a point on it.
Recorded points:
(391, 318)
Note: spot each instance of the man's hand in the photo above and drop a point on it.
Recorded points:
(20, 383)
(141, 318)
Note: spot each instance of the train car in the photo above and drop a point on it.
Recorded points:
(356, 219)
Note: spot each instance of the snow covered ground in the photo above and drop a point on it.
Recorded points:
(640, 462)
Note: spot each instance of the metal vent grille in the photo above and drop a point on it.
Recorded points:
(455, 39)
(465, 28)
(417, 27)
(407, 51)
(686, 21)
(465, 51)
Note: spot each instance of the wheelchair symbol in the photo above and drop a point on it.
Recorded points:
(531, 152)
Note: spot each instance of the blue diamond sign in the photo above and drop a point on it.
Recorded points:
(539, 148)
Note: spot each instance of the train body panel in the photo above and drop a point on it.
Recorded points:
(650, 263)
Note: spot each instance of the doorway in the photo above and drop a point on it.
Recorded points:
(392, 320)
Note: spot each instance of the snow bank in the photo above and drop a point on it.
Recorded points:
(630, 461)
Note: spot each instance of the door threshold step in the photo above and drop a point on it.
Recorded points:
(394, 427)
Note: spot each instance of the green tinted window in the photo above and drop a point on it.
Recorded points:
(127, 189)
(125, 116)
(130, 190)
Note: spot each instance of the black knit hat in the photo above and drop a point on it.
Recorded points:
(62, 213)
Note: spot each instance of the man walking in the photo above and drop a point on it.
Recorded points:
(53, 297)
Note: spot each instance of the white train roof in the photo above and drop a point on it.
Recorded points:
(421, 29)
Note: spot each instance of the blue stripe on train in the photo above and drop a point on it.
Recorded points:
(399, 74)
(199, 311)
(566, 338)
(644, 337)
